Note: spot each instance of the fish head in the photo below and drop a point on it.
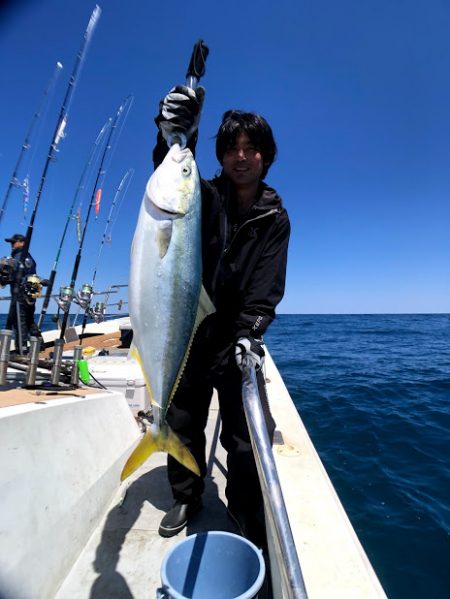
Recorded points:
(171, 189)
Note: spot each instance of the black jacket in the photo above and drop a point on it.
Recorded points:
(244, 263)
(29, 264)
(29, 269)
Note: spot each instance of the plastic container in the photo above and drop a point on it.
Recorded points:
(212, 565)
(120, 373)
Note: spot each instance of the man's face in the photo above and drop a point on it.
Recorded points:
(243, 163)
(17, 244)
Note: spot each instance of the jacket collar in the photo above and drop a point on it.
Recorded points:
(268, 198)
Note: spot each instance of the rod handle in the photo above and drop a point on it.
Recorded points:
(197, 64)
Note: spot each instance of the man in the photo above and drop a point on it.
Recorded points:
(245, 241)
(22, 314)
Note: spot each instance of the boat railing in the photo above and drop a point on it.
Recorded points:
(279, 531)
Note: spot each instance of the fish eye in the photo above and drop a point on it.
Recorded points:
(186, 170)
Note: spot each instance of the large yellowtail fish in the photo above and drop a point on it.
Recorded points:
(166, 299)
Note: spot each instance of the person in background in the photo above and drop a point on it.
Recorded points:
(245, 231)
(23, 314)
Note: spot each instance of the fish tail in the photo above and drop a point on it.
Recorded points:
(164, 440)
(174, 447)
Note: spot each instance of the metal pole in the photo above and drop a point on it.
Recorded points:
(5, 344)
(75, 376)
(35, 344)
(57, 358)
(288, 561)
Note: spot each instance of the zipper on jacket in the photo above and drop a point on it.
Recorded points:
(244, 224)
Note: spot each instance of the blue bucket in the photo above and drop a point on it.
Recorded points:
(216, 564)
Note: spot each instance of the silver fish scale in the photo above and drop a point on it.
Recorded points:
(164, 289)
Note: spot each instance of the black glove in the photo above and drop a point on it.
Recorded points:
(253, 349)
(179, 112)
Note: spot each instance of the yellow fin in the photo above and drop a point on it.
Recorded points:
(164, 440)
(135, 354)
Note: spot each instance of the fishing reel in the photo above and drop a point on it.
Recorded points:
(84, 296)
(32, 288)
(7, 267)
(65, 298)
(98, 312)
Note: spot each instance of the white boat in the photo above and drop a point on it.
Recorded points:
(70, 530)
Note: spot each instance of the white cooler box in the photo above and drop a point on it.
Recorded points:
(121, 373)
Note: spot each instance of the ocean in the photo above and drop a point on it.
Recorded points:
(374, 394)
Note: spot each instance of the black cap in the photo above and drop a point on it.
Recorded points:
(16, 237)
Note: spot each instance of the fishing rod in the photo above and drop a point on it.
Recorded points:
(121, 192)
(80, 188)
(96, 194)
(195, 71)
(57, 136)
(14, 181)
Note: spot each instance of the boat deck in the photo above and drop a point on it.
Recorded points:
(11, 395)
(123, 557)
(106, 341)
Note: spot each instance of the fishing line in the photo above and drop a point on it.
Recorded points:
(85, 175)
(120, 193)
(43, 105)
(113, 224)
(58, 135)
(127, 107)
(101, 174)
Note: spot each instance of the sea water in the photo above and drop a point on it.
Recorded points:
(374, 394)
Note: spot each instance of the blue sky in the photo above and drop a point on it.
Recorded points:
(357, 93)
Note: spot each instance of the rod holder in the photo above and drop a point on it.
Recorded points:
(57, 358)
(75, 375)
(5, 344)
(35, 346)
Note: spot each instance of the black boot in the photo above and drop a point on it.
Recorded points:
(177, 518)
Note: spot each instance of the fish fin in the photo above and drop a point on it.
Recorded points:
(144, 449)
(164, 440)
(174, 447)
(134, 352)
(163, 236)
(205, 307)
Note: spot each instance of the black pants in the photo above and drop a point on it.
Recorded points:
(22, 316)
(187, 417)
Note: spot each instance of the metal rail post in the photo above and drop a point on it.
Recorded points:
(288, 561)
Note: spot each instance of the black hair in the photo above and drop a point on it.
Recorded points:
(235, 122)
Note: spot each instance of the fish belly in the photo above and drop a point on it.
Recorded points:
(164, 295)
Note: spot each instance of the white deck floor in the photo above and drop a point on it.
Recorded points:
(123, 557)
